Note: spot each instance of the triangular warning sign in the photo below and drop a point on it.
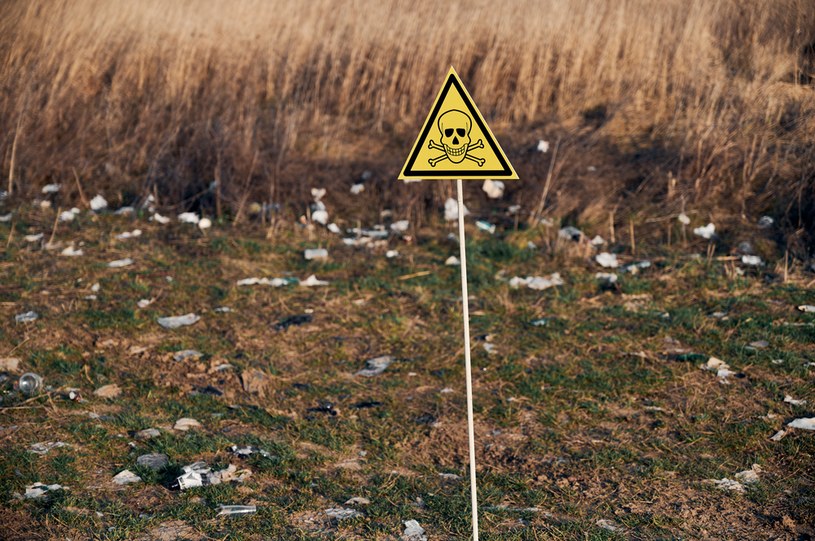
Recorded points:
(455, 141)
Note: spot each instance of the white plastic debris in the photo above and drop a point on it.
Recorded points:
(108, 391)
(223, 310)
(706, 232)
(342, 513)
(189, 218)
(50, 188)
(400, 226)
(46, 446)
(129, 235)
(683, 219)
(126, 477)
(485, 226)
(96, 287)
(749, 477)
(543, 146)
(185, 354)
(318, 194)
(779, 435)
(635, 268)
(790, 400)
(247, 451)
(807, 308)
(375, 366)
(316, 253)
(163, 220)
(765, 222)
(68, 215)
(721, 368)
(452, 261)
(804, 423)
(186, 423)
(493, 188)
(33, 238)
(204, 223)
(320, 216)
(229, 510)
(147, 433)
(144, 303)
(537, 282)
(570, 233)
(413, 532)
(174, 322)
(312, 281)
(357, 189)
(609, 525)
(597, 241)
(5, 217)
(607, 278)
(607, 260)
(98, 203)
(70, 251)
(274, 282)
(451, 210)
(334, 228)
(358, 500)
(44, 204)
(26, 317)
(728, 484)
(40, 490)
(752, 260)
(119, 263)
(124, 211)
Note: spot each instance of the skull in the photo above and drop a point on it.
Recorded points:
(455, 134)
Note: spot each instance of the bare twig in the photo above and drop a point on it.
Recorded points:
(542, 203)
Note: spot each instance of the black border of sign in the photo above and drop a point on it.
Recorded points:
(493, 173)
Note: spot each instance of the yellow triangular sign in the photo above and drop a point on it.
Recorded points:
(455, 141)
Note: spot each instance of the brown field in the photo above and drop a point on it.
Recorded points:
(707, 105)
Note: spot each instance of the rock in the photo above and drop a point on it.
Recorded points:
(9, 364)
(174, 322)
(413, 532)
(154, 461)
(126, 477)
(186, 423)
(342, 513)
(375, 366)
(147, 434)
(803, 423)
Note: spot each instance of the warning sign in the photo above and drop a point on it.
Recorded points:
(455, 141)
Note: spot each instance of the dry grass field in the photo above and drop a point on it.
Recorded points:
(703, 104)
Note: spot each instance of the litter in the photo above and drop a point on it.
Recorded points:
(493, 188)
(185, 354)
(728, 484)
(759, 344)
(186, 423)
(597, 241)
(375, 366)
(312, 281)
(316, 253)
(163, 220)
(342, 513)
(334, 228)
(274, 282)
(635, 268)
(246, 452)
(451, 210)
(189, 218)
(318, 194)
(683, 219)
(44, 447)
(33, 238)
(804, 423)
(43, 204)
(357, 189)
(98, 203)
(413, 532)
(721, 368)
(9, 364)
(124, 211)
(748, 477)
(144, 303)
(607, 278)
(390, 254)
(607, 260)
(400, 226)
(452, 261)
(378, 232)
(153, 461)
(752, 260)
(449, 476)
(320, 216)
(542, 322)
(706, 232)
(765, 222)
(609, 525)
(26, 317)
(70, 251)
(570, 233)
(223, 310)
(119, 263)
(485, 226)
(68, 215)
(129, 235)
(175, 322)
(108, 391)
(358, 500)
(147, 433)
(537, 282)
(39, 490)
(126, 477)
(779, 435)
(5, 217)
(543, 146)
(807, 308)
(204, 223)
(229, 510)
(295, 320)
(30, 383)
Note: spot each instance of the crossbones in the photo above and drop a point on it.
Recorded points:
(471, 146)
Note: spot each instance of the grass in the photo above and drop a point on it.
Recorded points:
(591, 416)
(701, 106)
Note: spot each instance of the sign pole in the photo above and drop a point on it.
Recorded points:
(467, 365)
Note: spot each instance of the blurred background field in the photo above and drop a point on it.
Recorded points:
(659, 106)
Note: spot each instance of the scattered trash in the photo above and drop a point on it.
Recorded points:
(153, 461)
(9, 364)
(537, 282)
(779, 435)
(175, 322)
(728, 484)
(204, 223)
(357, 189)
(804, 423)
(543, 146)
(683, 219)
(765, 222)
(69, 215)
(597, 241)
(706, 232)
(44, 447)
(312, 281)
(144, 303)
(124, 211)
(401, 226)
(358, 500)
(752, 260)
(186, 423)
(163, 220)
(334, 228)
(98, 203)
(126, 477)
(119, 263)
(33, 238)
(274, 282)
(609, 525)
(246, 452)
(70, 251)
(185, 354)
(320, 216)
(375, 366)
(129, 235)
(318, 194)
(748, 477)
(189, 218)
(449, 476)
(390, 254)
(223, 310)
(342, 513)
(485, 226)
(607, 260)
(452, 261)
(606, 278)
(317, 253)
(108, 391)
(493, 188)
(570, 233)
(807, 308)
(635, 268)
(299, 319)
(413, 532)
(39, 490)
(721, 368)
(30, 384)
(147, 433)
(451, 210)
(542, 322)
(228, 510)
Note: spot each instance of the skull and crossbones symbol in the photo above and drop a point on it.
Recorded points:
(454, 127)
